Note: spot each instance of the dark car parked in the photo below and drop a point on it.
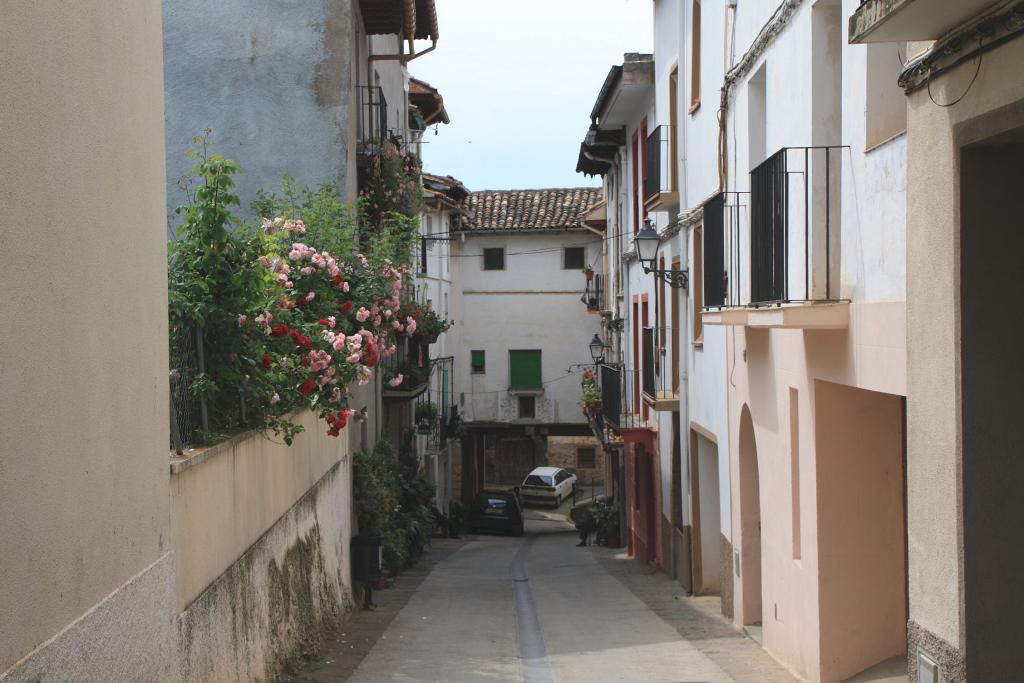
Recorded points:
(496, 511)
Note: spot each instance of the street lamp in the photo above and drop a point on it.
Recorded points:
(647, 242)
(597, 348)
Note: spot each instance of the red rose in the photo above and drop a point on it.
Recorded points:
(266, 360)
(342, 421)
(306, 388)
(305, 341)
(369, 354)
(336, 280)
(280, 331)
(347, 306)
(324, 322)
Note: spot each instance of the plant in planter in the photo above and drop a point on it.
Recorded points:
(589, 273)
(426, 417)
(590, 398)
(406, 377)
(428, 324)
(604, 515)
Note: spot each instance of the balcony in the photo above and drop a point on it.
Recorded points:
(885, 21)
(412, 361)
(655, 394)
(771, 256)
(373, 119)
(621, 410)
(661, 191)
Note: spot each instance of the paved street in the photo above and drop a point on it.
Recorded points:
(538, 608)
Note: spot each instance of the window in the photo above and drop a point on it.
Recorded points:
(697, 284)
(575, 258)
(524, 370)
(527, 407)
(494, 258)
(695, 57)
(586, 458)
(477, 361)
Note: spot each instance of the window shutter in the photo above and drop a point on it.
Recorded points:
(524, 370)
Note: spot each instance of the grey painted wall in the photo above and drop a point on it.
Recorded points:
(272, 78)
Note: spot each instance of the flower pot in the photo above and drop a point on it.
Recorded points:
(426, 338)
(589, 274)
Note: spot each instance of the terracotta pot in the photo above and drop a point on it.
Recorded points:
(589, 274)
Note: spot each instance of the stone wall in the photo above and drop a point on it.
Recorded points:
(562, 452)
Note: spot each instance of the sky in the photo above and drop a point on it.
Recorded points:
(519, 80)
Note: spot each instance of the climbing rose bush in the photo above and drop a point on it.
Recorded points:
(323, 327)
(291, 310)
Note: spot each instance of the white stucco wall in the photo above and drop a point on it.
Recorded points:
(533, 304)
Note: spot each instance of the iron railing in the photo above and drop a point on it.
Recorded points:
(440, 394)
(797, 187)
(726, 225)
(648, 364)
(620, 409)
(373, 115)
(658, 175)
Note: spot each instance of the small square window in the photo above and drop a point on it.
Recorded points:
(527, 407)
(494, 258)
(586, 458)
(477, 361)
(575, 258)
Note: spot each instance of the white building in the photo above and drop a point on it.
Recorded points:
(522, 332)
(443, 200)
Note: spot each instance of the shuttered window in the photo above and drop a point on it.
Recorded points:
(477, 361)
(494, 258)
(524, 370)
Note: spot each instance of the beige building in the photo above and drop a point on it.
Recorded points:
(85, 526)
(119, 563)
(965, 98)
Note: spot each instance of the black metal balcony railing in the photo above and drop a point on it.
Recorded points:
(715, 283)
(440, 397)
(373, 115)
(619, 408)
(658, 175)
(648, 362)
(794, 202)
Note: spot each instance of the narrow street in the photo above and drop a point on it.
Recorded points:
(538, 608)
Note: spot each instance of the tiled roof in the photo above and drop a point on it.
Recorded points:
(550, 209)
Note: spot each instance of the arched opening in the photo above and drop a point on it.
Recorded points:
(750, 521)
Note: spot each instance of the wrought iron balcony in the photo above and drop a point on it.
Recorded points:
(661, 190)
(412, 361)
(794, 226)
(772, 256)
(621, 406)
(373, 118)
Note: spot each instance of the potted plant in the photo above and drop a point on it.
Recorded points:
(588, 271)
(590, 398)
(605, 518)
(429, 325)
(426, 417)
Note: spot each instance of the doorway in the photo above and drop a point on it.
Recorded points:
(749, 570)
(704, 490)
(991, 371)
